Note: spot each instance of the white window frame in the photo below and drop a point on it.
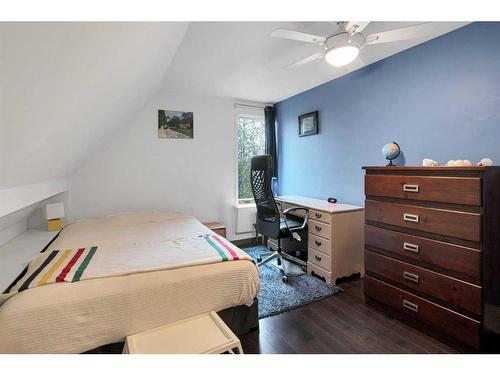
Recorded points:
(251, 111)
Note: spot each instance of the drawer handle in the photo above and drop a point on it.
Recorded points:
(318, 215)
(317, 228)
(410, 188)
(410, 217)
(411, 277)
(318, 243)
(317, 258)
(411, 247)
(410, 306)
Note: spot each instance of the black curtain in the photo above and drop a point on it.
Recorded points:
(270, 118)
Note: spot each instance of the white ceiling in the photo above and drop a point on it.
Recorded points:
(66, 88)
(240, 60)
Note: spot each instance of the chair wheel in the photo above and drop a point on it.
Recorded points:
(284, 279)
(259, 259)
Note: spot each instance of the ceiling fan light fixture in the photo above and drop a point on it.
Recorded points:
(342, 55)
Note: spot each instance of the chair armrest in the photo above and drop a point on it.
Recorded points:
(295, 209)
(306, 217)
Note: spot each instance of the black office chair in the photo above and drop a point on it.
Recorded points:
(269, 222)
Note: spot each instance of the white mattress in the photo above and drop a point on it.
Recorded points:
(75, 317)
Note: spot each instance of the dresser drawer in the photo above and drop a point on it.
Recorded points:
(318, 271)
(319, 259)
(320, 244)
(459, 190)
(454, 292)
(458, 261)
(320, 216)
(319, 229)
(423, 313)
(463, 225)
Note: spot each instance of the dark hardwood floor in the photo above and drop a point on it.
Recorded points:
(338, 324)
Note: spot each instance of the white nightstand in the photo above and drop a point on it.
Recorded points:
(201, 334)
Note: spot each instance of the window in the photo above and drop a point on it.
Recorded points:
(251, 142)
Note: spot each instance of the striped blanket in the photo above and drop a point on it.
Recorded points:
(71, 265)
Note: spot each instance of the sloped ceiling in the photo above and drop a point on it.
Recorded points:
(65, 88)
(241, 60)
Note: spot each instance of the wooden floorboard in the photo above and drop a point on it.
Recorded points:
(342, 323)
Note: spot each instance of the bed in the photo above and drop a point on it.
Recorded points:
(75, 317)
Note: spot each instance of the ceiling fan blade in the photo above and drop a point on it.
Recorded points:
(404, 33)
(297, 35)
(305, 60)
(355, 26)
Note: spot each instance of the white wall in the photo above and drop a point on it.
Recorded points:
(31, 216)
(137, 170)
(65, 87)
(18, 204)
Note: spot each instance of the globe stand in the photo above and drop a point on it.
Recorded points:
(392, 157)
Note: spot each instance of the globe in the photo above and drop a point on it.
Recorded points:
(391, 151)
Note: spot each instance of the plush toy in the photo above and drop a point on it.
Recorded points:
(459, 163)
(429, 163)
(486, 162)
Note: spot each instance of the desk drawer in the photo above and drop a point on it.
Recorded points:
(451, 291)
(319, 229)
(423, 313)
(319, 259)
(458, 261)
(459, 190)
(464, 225)
(320, 216)
(320, 244)
(318, 271)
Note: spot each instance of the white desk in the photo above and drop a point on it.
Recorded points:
(318, 204)
(335, 236)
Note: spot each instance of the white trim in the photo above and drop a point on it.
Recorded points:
(244, 202)
(16, 198)
(239, 105)
(249, 111)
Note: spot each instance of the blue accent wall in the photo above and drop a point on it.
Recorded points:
(439, 100)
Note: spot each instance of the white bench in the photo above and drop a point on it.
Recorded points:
(201, 334)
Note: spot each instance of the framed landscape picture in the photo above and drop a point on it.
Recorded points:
(175, 124)
(308, 124)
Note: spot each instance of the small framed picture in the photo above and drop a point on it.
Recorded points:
(175, 124)
(308, 124)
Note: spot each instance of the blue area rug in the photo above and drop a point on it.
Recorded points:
(276, 296)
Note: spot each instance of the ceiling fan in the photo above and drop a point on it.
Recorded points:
(342, 47)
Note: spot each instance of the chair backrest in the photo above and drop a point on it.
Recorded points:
(268, 216)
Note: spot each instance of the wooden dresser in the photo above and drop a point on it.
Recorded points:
(335, 237)
(432, 250)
